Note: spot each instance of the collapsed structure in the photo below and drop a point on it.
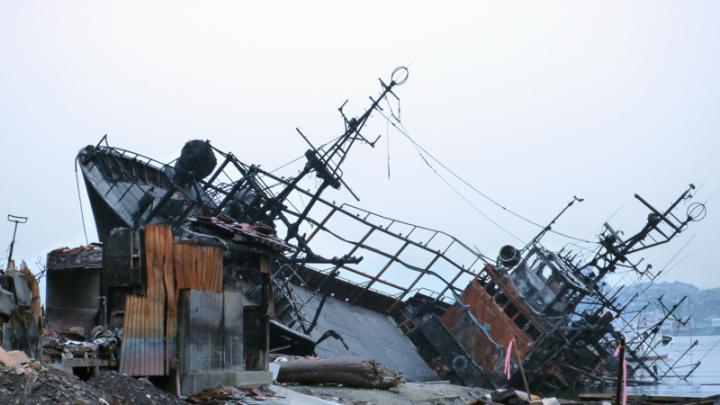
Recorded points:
(208, 264)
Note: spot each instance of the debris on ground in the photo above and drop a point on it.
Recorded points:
(229, 395)
(261, 395)
(122, 389)
(100, 343)
(435, 393)
(515, 397)
(350, 371)
(42, 385)
(25, 381)
(16, 361)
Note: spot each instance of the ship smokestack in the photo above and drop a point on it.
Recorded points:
(509, 256)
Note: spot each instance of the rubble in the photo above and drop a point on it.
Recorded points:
(74, 344)
(121, 389)
(43, 385)
(92, 247)
(227, 395)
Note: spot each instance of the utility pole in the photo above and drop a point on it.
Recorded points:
(17, 220)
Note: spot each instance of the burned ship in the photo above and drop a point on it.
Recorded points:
(207, 265)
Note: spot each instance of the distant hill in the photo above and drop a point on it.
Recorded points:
(701, 304)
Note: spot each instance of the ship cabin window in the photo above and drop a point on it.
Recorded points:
(521, 321)
(533, 332)
(483, 278)
(511, 310)
(492, 288)
(501, 299)
(545, 272)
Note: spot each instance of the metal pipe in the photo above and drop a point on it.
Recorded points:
(17, 220)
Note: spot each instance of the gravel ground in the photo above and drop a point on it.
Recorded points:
(125, 390)
(440, 393)
(46, 386)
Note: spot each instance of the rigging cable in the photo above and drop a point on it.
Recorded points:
(405, 133)
(475, 207)
(82, 213)
(303, 155)
(387, 140)
(707, 352)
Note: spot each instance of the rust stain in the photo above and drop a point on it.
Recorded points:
(149, 343)
(502, 314)
(144, 350)
(198, 267)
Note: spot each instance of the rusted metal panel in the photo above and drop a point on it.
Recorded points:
(200, 331)
(455, 356)
(484, 350)
(490, 315)
(515, 297)
(259, 234)
(198, 267)
(143, 348)
(144, 338)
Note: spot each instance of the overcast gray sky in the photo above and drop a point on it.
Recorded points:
(533, 102)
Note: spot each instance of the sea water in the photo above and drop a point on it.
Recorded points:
(704, 381)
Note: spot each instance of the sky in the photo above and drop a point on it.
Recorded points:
(531, 102)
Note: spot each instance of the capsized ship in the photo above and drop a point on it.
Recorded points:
(280, 269)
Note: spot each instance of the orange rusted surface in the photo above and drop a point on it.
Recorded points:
(198, 267)
(149, 344)
(146, 345)
(504, 282)
(495, 327)
(143, 348)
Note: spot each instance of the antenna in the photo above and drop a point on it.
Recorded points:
(548, 227)
(326, 162)
(17, 220)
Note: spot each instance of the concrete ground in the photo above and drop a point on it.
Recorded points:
(435, 393)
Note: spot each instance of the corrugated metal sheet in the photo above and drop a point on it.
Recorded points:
(198, 267)
(143, 349)
(149, 344)
(144, 337)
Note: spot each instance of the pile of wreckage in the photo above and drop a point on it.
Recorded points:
(208, 268)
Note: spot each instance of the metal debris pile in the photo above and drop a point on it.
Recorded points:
(99, 343)
(92, 247)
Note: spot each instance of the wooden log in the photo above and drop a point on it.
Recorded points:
(350, 371)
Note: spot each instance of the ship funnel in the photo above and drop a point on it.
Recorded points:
(509, 256)
(196, 162)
